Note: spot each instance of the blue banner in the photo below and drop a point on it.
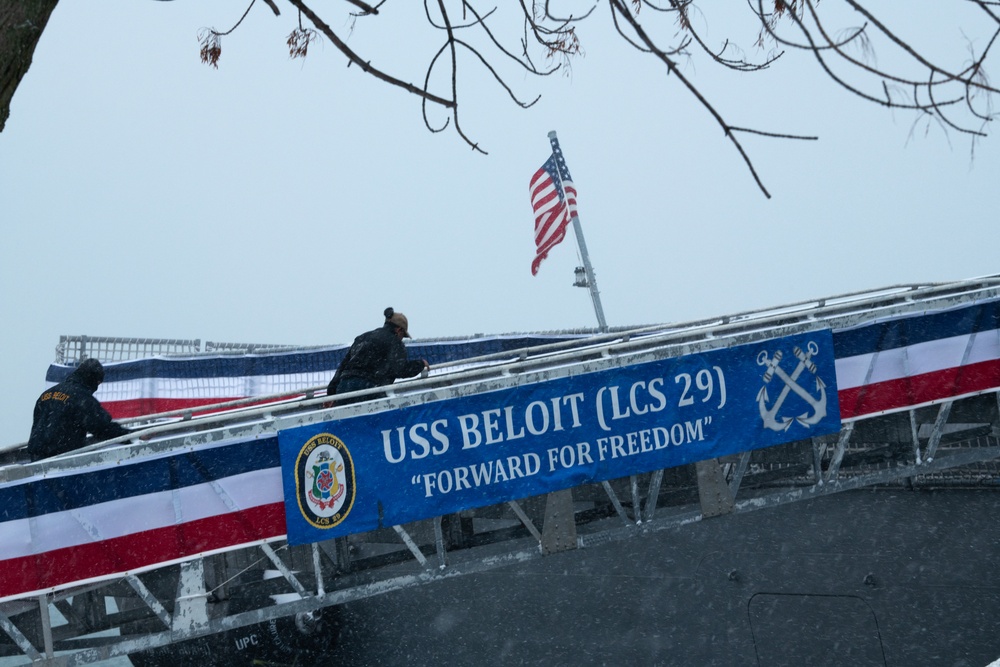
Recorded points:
(366, 472)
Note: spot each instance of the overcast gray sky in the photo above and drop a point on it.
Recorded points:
(285, 201)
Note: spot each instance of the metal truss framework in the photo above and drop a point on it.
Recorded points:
(951, 443)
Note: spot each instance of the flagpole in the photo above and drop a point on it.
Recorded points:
(595, 294)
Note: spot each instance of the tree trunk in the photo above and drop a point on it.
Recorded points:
(21, 26)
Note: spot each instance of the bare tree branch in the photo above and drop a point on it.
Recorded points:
(956, 96)
(618, 8)
(363, 64)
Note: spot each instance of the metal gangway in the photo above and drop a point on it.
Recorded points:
(947, 441)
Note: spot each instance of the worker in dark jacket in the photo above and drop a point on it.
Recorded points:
(67, 412)
(376, 358)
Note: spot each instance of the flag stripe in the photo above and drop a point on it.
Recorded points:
(91, 523)
(553, 203)
(147, 406)
(113, 557)
(38, 496)
(912, 329)
(119, 518)
(926, 357)
(907, 392)
(897, 363)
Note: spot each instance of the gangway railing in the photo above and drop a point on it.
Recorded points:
(861, 303)
(73, 349)
(951, 440)
(842, 311)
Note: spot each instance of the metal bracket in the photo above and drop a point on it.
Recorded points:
(525, 520)
(713, 492)
(838, 452)
(942, 418)
(317, 568)
(914, 431)
(559, 527)
(411, 545)
(737, 479)
(617, 504)
(19, 638)
(146, 596)
(439, 545)
(191, 605)
(654, 492)
(285, 572)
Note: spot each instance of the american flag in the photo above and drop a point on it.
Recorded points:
(553, 200)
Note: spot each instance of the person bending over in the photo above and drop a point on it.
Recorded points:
(376, 358)
(68, 412)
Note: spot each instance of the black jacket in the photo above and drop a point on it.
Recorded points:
(378, 357)
(66, 413)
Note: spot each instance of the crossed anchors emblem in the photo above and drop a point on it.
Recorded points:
(769, 415)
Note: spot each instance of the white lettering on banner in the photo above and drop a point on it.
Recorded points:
(569, 456)
(497, 471)
(650, 439)
(511, 433)
(705, 383)
(491, 427)
(470, 426)
(463, 478)
(647, 397)
(538, 418)
(494, 426)
(422, 446)
(505, 469)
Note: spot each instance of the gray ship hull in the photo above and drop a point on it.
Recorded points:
(870, 577)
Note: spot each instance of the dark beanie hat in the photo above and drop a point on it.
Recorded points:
(91, 373)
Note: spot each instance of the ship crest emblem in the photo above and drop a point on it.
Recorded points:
(816, 403)
(324, 481)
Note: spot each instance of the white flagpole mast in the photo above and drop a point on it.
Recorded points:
(588, 279)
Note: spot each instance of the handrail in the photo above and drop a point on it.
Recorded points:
(615, 343)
